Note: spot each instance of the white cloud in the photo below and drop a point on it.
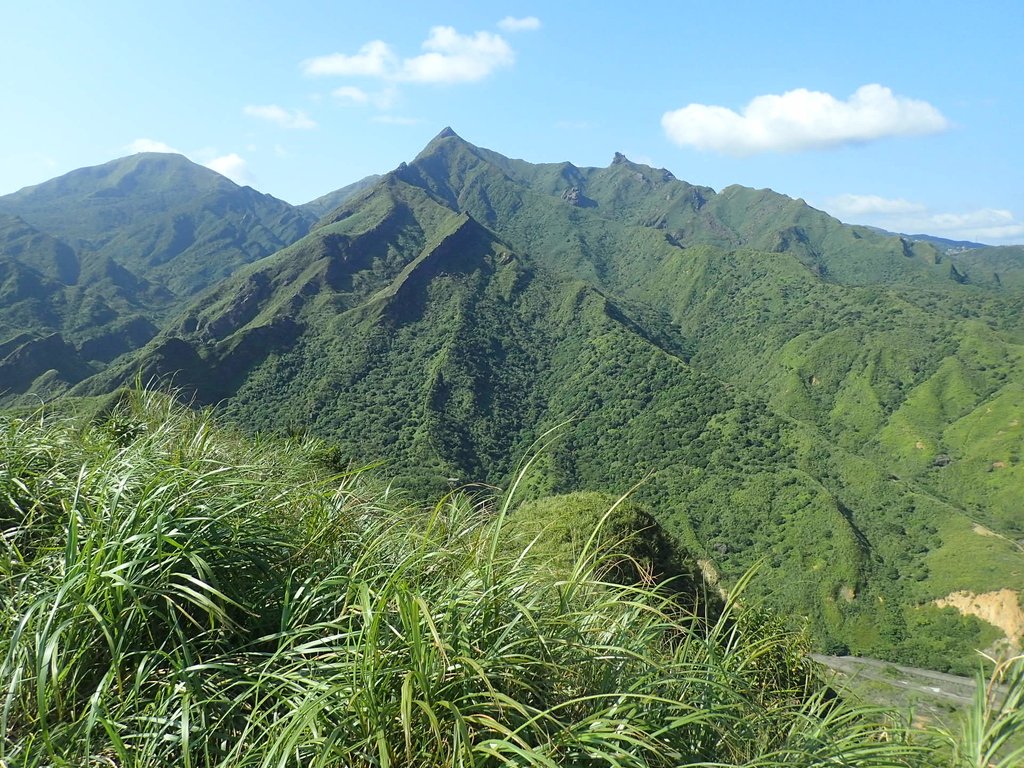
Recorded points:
(861, 205)
(450, 57)
(982, 224)
(987, 225)
(802, 119)
(525, 24)
(1007, 234)
(352, 95)
(375, 59)
(455, 58)
(272, 113)
(150, 145)
(233, 166)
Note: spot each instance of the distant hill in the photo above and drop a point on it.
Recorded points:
(161, 216)
(943, 244)
(327, 203)
(838, 403)
(102, 255)
(1000, 265)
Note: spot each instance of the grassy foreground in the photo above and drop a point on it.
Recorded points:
(174, 594)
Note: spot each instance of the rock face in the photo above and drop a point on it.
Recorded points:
(1000, 609)
(574, 196)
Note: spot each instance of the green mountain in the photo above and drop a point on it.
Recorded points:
(837, 404)
(327, 203)
(999, 265)
(177, 594)
(944, 244)
(95, 260)
(162, 217)
(60, 319)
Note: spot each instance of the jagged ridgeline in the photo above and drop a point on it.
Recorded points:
(841, 404)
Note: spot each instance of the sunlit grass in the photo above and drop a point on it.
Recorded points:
(174, 594)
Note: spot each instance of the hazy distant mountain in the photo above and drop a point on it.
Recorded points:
(327, 203)
(1001, 265)
(841, 403)
(162, 217)
(101, 255)
(945, 245)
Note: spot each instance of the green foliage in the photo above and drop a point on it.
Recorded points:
(827, 400)
(942, 639)
(560, 530)
(991, 736)
(176, 595)
(103, 255)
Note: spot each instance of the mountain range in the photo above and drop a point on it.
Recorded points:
(837, 406)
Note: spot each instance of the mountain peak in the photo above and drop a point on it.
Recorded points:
(446, 142)
(149, 172)
(148, 155)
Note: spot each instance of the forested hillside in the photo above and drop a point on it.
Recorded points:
(839, 405)
(93, 262)
(178, 594)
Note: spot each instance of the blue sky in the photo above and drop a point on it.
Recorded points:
(899, 114)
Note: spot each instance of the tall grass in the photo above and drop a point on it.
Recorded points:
(176, 595)
(992, 734)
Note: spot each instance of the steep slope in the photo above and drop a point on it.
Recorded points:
(1002, 266)
(162, 217)
(445, 318)
(835, 325)
(327, 203)
(101, 256)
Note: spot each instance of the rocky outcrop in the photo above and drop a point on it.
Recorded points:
(574, 196)
(1001, 609)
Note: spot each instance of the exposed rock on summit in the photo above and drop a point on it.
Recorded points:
(574, 196)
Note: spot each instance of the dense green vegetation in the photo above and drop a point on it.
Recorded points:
(840, 406)
(174, 594)
(92, 263)
(324, 204)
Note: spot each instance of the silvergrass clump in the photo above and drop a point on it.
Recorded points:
(174, 594)
(992, 733)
